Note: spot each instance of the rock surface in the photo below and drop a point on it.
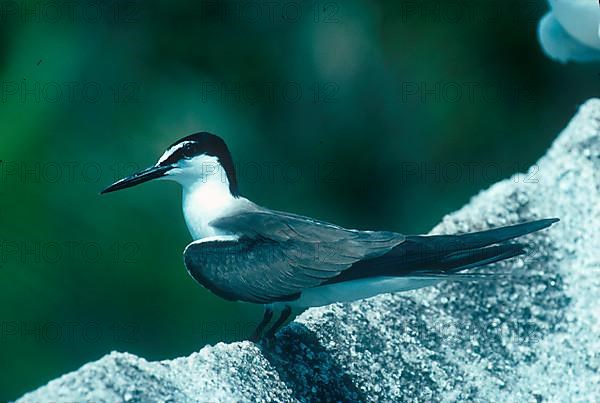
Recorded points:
(531, 336)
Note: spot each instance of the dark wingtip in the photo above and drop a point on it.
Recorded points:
(549, 221)
(537, 225)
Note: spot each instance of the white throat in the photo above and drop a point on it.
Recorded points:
(206, 196)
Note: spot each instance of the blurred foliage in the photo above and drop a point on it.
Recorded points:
(369, 114)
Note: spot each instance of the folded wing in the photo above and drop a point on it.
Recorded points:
(277, 255)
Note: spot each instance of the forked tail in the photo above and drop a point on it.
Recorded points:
(445, 256)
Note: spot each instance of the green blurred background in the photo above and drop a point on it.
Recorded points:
(369, 114)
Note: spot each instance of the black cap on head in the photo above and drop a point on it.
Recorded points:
(204, 143)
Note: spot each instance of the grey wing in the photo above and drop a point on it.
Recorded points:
(278, 255)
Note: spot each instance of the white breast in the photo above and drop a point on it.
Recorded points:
(209, 200)
(205, 203)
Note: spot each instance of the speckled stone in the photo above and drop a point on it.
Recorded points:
(529, 337)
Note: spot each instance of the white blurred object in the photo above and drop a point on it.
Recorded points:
(571, 30)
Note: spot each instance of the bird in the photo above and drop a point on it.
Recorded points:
(244, 252)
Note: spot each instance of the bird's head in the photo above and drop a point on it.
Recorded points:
(197, 158)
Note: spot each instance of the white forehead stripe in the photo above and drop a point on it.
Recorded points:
(171, 150)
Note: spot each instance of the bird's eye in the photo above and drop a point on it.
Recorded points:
(188, 151)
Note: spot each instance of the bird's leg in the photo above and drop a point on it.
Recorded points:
(287, 311)
(267, 316)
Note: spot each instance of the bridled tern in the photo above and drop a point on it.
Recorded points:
(244, 252)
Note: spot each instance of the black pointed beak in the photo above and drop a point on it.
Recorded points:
(138, 177)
